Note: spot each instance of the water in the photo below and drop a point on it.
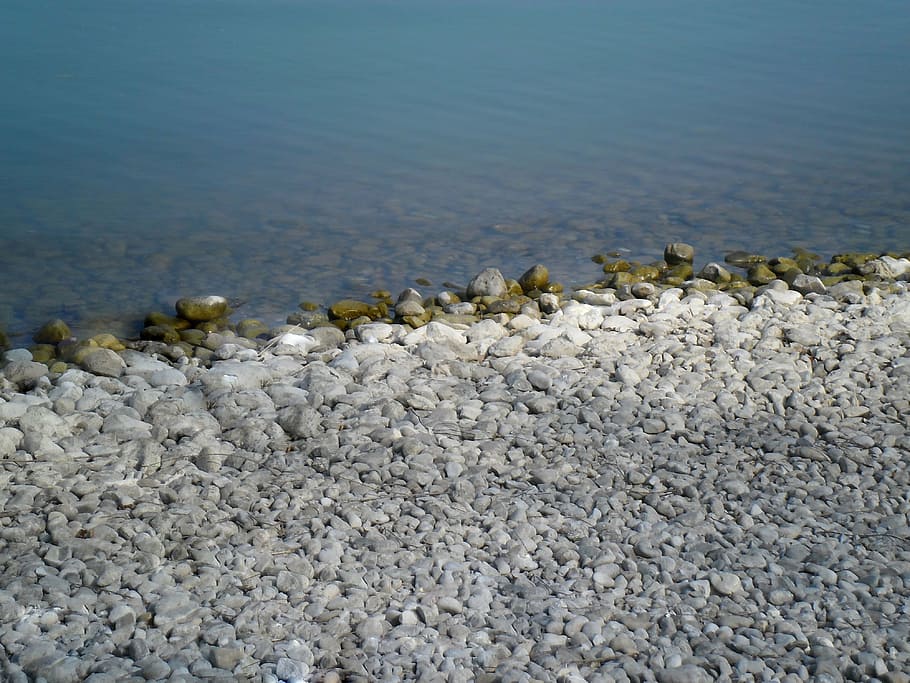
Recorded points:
(285, 150)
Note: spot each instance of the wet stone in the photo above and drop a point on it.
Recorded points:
(52, 332)
(679, 252)
(201, 308)
(536, 277)
(348, 309)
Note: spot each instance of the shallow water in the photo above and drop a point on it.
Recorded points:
(280, 150)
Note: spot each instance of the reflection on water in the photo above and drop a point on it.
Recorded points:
(285, 150)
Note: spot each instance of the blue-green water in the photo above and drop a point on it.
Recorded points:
(279, 150)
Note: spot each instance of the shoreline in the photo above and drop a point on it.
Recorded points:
(741, 274)
(642, 484)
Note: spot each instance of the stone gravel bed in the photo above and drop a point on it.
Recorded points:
(669, 489)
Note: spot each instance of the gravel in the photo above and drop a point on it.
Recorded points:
(673, 488)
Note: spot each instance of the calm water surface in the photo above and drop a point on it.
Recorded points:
(285, 150)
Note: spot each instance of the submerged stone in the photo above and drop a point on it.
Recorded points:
(157, 318)
(52, 332)
(743, 259)
(616, 266)
(348, 309)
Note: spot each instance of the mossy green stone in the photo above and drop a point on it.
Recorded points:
(381, 294)
(552, 288)
(108, 341)
(161, 333)
(737, 284)
(806, 264)
(251, 328)
(617, 266)
(646, 272)
(674, 281)
(837, 268)
(52, 332)
(4, 341)
(782, 264)
(348, 309)
(744, 259)
(201, 308)
(625, 278)
(853, 260)
(513, 288)
(192, 336)
(535, 277)
(158, 318)
(760, 274)
(681, 271)
(42, 353)
(309, 306)
(209, 326)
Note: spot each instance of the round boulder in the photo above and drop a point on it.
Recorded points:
(201, 308)
(52, 332)
(679, 252)
(535, 277)
(488, 282)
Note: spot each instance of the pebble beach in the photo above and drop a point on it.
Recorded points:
(624, 483)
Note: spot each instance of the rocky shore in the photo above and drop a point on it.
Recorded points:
(640, 481)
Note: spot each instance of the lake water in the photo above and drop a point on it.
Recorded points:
(278, 150)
